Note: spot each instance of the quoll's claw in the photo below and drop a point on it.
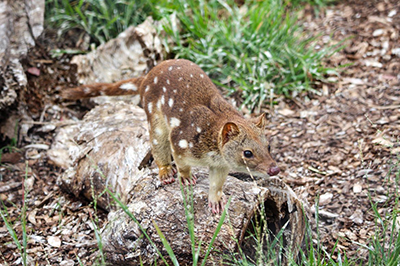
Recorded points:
(167, 175)
(189, 181)
(217, 207)
(168, 181)
(193, 180)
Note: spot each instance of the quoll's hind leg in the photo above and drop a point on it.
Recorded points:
(216, 197)
(161, 150)
(179, 148)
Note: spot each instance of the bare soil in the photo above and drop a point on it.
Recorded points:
(341, 146)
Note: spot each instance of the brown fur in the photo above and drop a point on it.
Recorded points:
(190, 120)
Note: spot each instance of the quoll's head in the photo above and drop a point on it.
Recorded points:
(245, 147)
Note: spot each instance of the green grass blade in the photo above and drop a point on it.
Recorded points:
(10, 229)
(189, 216)
(126, 210)
(221, 221)
(99, 242)
(166, 245)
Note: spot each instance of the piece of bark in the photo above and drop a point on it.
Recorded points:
(113, 139)
(12, 158)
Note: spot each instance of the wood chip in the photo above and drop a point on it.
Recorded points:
(54, 241)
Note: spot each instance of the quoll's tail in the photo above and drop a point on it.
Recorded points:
(124, 87)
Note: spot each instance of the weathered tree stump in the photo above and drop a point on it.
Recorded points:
(113, 139)
(21, 23)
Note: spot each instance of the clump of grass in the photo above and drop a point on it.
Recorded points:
(22, 247)
(269, 249)
(101, 19)
(319, 3)
(384, 247)
(258, 48)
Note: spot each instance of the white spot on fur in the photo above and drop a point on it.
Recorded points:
(211, 153)
(191, 64)
(198, 129)
(183, 143)
(150, 107)
(191, 75)
(180, 110)
(170, 68)
(162, 100)
(192, 124)
(159, 104)
(128, 86)
(180, 132)
(155, 80)
(158, 131)
(201, 75)
(164, 89)
(155, 142)
(168, 82)
(86, 90)
(187, 85)
(147, 88)
(175, 122)
(180, 78)
(174, 91)
(170, 102)
(190, 145)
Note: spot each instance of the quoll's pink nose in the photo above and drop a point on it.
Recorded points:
(274, 170)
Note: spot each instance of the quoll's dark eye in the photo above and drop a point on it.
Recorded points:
(248, 154)
(269, 148)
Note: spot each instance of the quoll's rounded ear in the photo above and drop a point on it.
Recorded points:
(260, 121)
(229, 131)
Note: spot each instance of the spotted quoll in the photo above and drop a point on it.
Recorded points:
(190, 120)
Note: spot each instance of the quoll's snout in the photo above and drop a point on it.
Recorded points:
(273, 170)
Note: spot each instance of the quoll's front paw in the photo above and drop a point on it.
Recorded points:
(217, 205)
(166, 174)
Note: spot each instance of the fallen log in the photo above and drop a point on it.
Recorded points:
(106, 148)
